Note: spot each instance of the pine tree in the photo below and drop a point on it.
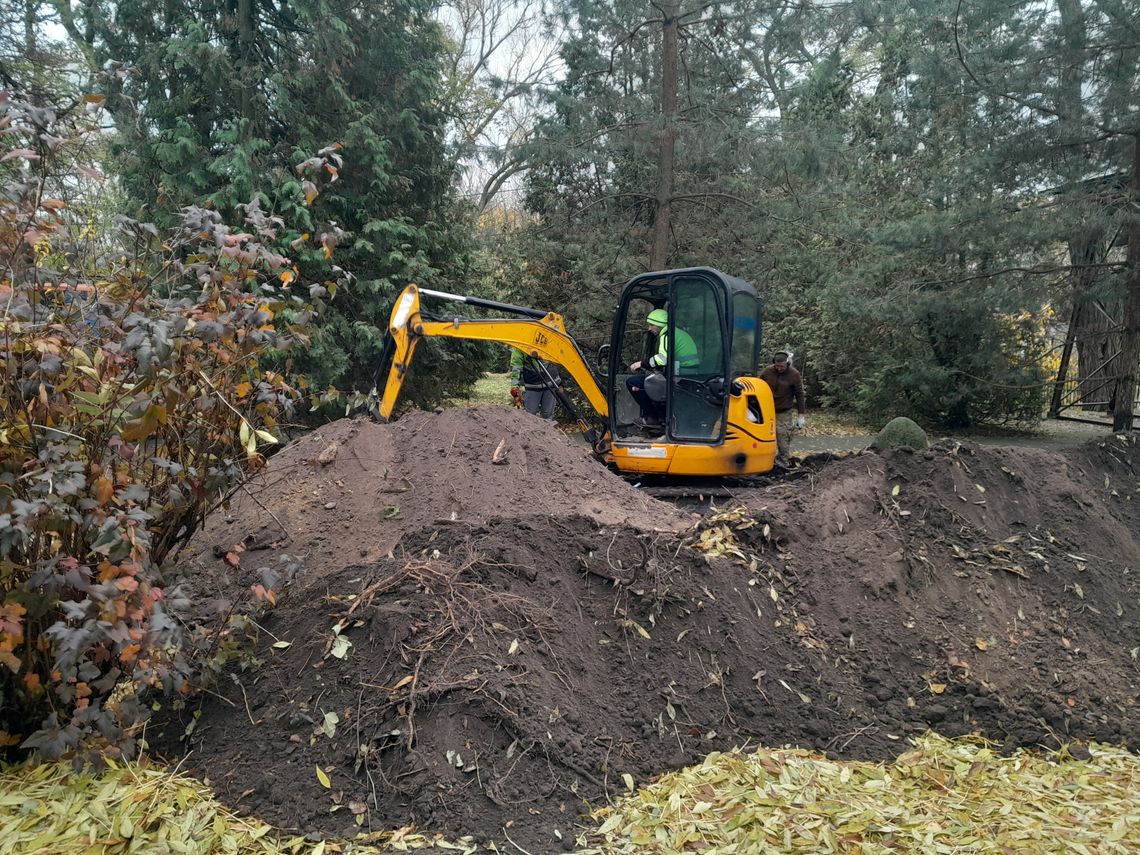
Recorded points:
(842, 160)
(1073, 68)
(217, 101)
(636, 167)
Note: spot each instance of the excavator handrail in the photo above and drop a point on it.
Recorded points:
(538, 334)
(484, 303)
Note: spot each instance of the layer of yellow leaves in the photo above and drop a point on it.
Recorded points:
(49, 809)
(717, 535)
(941, 797)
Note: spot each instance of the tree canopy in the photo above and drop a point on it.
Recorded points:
(926, 194)
(901, 179)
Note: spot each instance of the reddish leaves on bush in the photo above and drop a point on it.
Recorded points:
(133, 399)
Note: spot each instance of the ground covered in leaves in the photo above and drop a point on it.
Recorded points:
(940, 796)
(491, 635)
(50, 809)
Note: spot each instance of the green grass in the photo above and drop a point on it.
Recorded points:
(491, 389)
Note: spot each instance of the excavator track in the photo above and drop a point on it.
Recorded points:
(706, 490)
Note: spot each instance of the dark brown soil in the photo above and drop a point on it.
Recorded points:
(509, 666)
(348, 492)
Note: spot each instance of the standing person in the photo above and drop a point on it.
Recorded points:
(788, 392)
(531, 379)
(653, 411)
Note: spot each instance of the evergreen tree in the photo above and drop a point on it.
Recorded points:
(36, 64)
(598, 185)
(219, 100)
(931, 309)
(992, 140)
(841, 159)
(1073, 69)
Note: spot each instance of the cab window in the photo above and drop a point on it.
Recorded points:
(744, 360)
(696, 351)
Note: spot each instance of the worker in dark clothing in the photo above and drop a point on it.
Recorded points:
(788, 391)
(533, 382)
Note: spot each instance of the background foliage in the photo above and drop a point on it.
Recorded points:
(899, 179)
(216, 104)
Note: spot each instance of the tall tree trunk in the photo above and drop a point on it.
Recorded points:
(31, 14)
(667, 138)
(31, 48)
(1096, 322)
(1130, 352)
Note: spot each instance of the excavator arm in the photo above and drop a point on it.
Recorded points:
(539, 334)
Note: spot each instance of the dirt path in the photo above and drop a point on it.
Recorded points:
(1051, 433)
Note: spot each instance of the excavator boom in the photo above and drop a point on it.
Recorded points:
(539, 334)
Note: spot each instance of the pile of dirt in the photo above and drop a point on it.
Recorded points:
(986, 580)
(523, 636)
(348, 492)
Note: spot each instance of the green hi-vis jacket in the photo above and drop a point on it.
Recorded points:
(687, 356)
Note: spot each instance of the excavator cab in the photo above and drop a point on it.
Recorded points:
(720, 317)
(696, 333)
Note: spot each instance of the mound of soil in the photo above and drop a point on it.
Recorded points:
(989, 580)
(347, 492)
(513, 643)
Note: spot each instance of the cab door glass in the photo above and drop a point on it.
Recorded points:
(636, 345)
(696, 361)
(745, 356)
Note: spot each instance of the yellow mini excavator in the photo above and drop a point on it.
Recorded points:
(718, 416)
